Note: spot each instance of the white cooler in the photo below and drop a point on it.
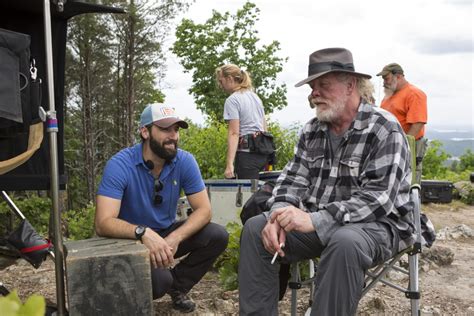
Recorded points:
(227, 196)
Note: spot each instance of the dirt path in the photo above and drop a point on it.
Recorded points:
(446, 289)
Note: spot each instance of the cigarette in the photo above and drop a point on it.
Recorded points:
(275, 255)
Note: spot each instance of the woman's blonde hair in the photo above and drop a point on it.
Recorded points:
(241, 77)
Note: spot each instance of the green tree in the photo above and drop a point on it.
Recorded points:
(208, 145)
(139, 59)
(89, 64)
(466, 161)
(226, 38)
(433, 162)
(114, 67)
(285, 142)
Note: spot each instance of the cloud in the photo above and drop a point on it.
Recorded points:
(432, 41)
(442, 46)
(459, 2)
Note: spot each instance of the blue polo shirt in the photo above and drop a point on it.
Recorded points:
(127, 178)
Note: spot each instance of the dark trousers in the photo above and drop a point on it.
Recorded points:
(351, 250)
(248, 165)
(202, 248)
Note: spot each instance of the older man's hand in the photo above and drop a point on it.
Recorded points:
(272, 237)
(291, 218)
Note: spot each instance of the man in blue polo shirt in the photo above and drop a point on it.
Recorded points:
(137, 199)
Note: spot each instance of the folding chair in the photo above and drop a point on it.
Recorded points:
(23, 242)
(379, 273)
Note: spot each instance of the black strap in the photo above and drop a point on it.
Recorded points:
(316, 68)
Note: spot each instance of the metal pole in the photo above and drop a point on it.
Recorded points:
(12, 205)
(52, 129)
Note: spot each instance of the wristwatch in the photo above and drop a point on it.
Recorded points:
(139, 232)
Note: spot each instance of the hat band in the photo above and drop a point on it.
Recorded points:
(325, 66)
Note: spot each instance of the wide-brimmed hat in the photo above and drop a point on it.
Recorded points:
(161, 115)
(328, 60)
(392, 68)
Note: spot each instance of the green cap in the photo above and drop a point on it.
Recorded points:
(393, 68)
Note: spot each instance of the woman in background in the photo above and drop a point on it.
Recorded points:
(243, 111)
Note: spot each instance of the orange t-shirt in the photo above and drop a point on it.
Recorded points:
(409, 106)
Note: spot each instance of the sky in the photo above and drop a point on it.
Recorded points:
(431, 39)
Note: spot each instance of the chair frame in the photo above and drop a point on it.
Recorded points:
(379, 273)
(3, 290)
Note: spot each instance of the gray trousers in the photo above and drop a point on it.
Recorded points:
(421, 146)
(351, 250)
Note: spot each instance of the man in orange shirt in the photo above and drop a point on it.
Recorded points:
(408, 104)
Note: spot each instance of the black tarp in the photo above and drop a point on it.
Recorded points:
(26, 16)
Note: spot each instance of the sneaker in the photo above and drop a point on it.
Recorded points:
(182, 302)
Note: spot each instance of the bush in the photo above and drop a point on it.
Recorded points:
(36, 209)
(228, 262)
(467, 161)
(11, 305)
(80, 222)
(464, 190)
(208, 144)
(285, 141)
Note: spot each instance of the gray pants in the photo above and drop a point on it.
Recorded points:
(421, 146)
(351, 250)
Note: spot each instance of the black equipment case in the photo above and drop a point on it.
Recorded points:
(436, 191)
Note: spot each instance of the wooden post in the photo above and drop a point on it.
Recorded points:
(108, 277)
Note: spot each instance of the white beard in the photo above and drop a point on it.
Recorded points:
(393, 86)
(388, 92)
(333, 112)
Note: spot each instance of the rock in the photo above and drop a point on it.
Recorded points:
(440, 256)
(430, 310)
(465, 190)
(398, 276)
(455, 232)
(6, 262)
(223, 306)
(431, 272)
(378, 304)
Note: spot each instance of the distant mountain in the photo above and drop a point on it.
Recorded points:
(456, 139)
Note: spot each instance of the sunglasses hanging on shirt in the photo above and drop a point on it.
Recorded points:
(158, 186)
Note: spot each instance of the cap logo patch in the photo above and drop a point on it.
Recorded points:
(167, 111)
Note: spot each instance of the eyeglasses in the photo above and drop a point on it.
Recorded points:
(157, 198)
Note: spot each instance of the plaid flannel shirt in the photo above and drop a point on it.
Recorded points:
(366, 179)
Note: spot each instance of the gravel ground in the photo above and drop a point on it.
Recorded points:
(445, 277)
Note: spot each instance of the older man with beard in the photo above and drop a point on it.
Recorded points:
(137, 199)
(344, 197)
(408, 104)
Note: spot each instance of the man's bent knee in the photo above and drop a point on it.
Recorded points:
(220, 237)
(254, 225)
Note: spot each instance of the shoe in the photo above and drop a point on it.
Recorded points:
(182, 302)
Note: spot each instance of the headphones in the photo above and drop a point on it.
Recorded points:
(149, 164)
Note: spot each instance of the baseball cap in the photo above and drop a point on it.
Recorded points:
(161, 115)
(393, 68)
